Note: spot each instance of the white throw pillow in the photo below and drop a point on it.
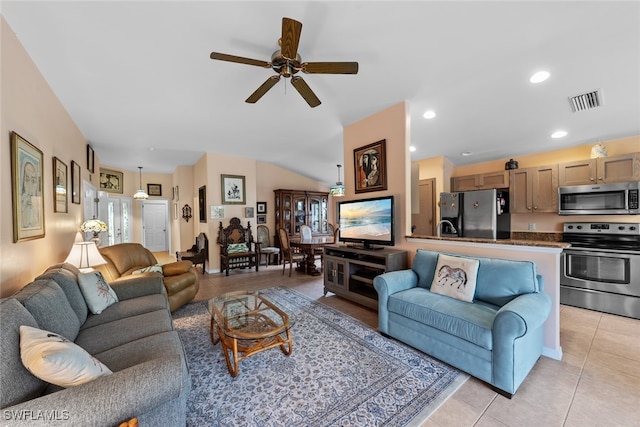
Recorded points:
(156, 268)
(54, 359)
(96, 291)
(455, 277)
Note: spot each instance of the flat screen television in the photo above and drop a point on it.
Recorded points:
(367, 222)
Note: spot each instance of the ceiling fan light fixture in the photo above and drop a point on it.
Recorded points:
(140, 194)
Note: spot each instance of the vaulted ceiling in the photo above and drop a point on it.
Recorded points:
(136, 77)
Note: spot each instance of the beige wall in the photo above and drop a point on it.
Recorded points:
(30, 108)
(391, 125)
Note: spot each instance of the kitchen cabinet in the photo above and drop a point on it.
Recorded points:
(298, 207)
(481, 181)
(621, 168)
(534, 189)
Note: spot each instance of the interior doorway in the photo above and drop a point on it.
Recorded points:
(422, 223)
(155, 225)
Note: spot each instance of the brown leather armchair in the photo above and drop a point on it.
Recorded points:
(180, 278)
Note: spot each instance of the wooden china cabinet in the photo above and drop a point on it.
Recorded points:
(298, 207)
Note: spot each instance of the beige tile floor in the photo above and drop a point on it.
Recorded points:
(596, 384)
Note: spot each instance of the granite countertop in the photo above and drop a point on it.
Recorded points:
(547, 240)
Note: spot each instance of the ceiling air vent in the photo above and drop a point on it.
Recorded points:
(586, 101)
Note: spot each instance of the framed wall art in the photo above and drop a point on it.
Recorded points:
(370, 166)
(202, 203)
(233, 191)
(261, 219)
(26, 184)
(111, 181)
(248, 212)
(217, 212)
(261, 207)
(90, 159)
(154, 189)
(60, 186)
(76, 179)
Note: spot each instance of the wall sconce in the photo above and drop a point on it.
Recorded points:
(186, 213)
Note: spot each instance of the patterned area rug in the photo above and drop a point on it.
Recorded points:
(341, 373)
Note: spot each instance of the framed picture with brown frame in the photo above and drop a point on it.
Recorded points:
(90, 159)
(202, 203)
(370, 167)
(60, 186)
(233, 191)
(111, 181)
(76, 178)
(154, 189)
(26, 184)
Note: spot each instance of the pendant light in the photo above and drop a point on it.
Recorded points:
(140, 194)
(338, 189)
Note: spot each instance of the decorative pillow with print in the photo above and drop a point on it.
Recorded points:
(455, 277)
(96, 291)
(157, 268)
(56, 360)
(236, 248)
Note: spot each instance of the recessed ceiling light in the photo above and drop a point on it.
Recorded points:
(466, 153)
(412, 148)
(539, 77)
(559, 134)
(429, 114)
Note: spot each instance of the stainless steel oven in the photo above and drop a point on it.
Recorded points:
(601, 269)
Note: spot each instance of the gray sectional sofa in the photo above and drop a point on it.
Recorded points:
(134, 338)
(498, 337)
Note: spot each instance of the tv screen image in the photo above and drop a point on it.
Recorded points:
(367, 221)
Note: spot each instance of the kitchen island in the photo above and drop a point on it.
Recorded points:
(545, 252)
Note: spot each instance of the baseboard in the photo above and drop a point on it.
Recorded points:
(555, 354)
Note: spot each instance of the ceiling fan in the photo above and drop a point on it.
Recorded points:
(286, 63)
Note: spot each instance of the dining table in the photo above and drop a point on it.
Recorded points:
(308, 246)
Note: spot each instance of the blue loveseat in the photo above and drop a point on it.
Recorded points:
(497, 338)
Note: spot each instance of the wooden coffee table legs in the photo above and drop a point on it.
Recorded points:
(237, 349)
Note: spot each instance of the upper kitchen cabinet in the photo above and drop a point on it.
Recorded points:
(621, 168)
(481, 181)
(534, 189)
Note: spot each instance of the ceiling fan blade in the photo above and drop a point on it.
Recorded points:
(239, 59)
(306, 92)
(268, 84)
(330, 67)
(291, 30)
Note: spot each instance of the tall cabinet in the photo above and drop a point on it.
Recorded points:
(298, 207)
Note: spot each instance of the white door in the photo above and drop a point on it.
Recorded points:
(155, 215)
(116, 212)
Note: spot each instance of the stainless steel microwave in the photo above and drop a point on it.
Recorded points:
(603, 199)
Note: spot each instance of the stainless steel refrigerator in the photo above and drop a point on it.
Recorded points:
(480, 214)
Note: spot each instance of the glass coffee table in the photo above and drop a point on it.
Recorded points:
(246, 323)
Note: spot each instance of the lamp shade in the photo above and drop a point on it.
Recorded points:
(140, 194)
(94, 226)
(85, 255)
(337, 190)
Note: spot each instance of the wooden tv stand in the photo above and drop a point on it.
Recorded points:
(349, 271)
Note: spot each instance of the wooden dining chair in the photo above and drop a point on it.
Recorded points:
(287, 253)
(307, 234)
